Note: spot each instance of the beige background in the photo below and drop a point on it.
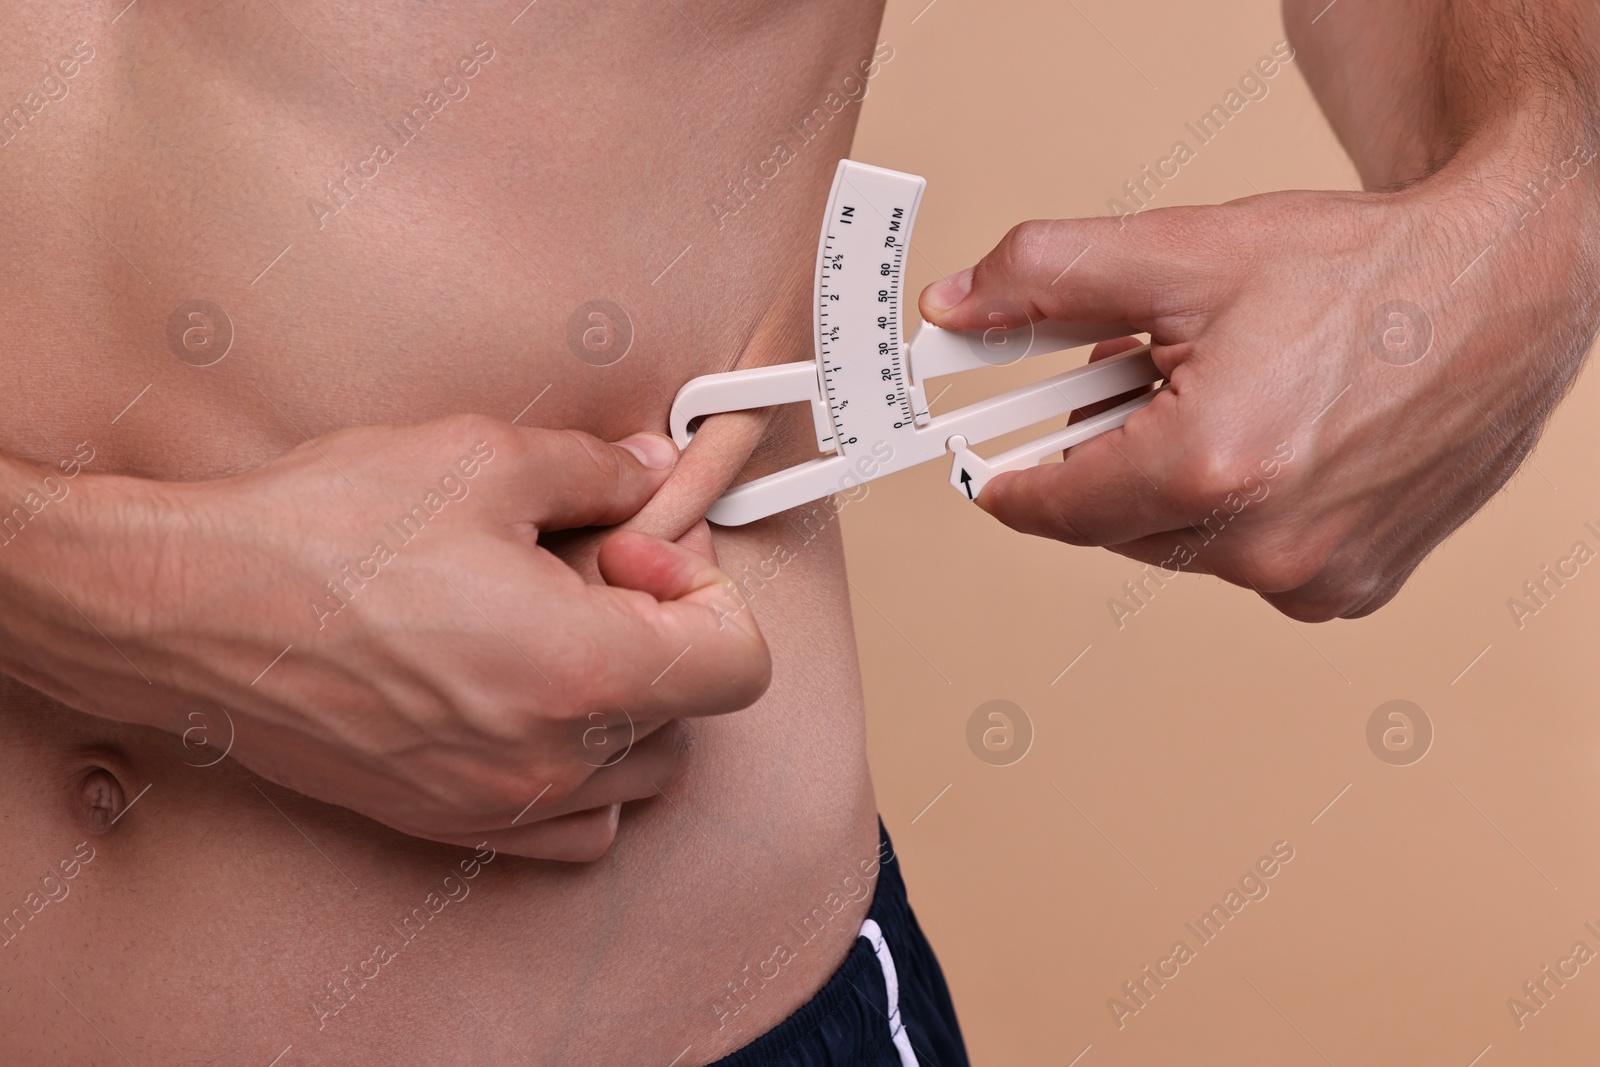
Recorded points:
(1209, 727)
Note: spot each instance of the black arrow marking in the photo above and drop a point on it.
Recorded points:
(966, 483)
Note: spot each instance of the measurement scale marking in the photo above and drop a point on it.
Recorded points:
(822, 341)
(863, 388)
(894, 334)
(893, 220)
(830, 266)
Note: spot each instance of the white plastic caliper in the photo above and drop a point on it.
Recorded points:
(866, 387)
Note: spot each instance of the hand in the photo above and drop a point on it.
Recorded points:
(376, 615)
(1350, 381)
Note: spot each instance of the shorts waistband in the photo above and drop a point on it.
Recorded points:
(848, 1022)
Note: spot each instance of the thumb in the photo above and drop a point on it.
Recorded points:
(1070, 270)
(573, 479)
(665, 570)
(672, 572)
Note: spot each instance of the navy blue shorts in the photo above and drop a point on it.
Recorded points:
(858, 1019)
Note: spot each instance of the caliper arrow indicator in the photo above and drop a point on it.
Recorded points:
(966, 483)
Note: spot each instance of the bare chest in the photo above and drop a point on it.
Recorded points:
(239, 231)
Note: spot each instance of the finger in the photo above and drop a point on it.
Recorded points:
(1114, 347)
(1171, 552)
(581, 837)
(665, 570)
(580, 549)
(1080, 270)
(1236, 561)
(725, 441)
(1105, 350)
(710, 463)
(689, 643)
(578, 827)
(638, 768)
(1106, 491)
(574, 479)
(1236, 556)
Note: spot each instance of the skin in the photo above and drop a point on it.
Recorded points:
(224, 916)
(421, 724)
(1291, 455)
(231, 908)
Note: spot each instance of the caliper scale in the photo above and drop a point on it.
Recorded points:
(867, 387)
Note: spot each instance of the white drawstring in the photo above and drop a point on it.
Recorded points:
(897, 1031)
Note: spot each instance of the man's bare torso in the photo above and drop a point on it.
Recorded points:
(379, 213)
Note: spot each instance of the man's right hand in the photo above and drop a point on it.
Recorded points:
(376, 616)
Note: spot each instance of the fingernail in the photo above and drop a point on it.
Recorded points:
(946, 294)
(653, 450)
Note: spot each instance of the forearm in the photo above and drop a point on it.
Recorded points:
(1411, 85)
(1482, 116)
(69, 556)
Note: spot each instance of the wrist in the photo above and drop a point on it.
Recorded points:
(1525, 192)
(1500, 248)
(1539, 154)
